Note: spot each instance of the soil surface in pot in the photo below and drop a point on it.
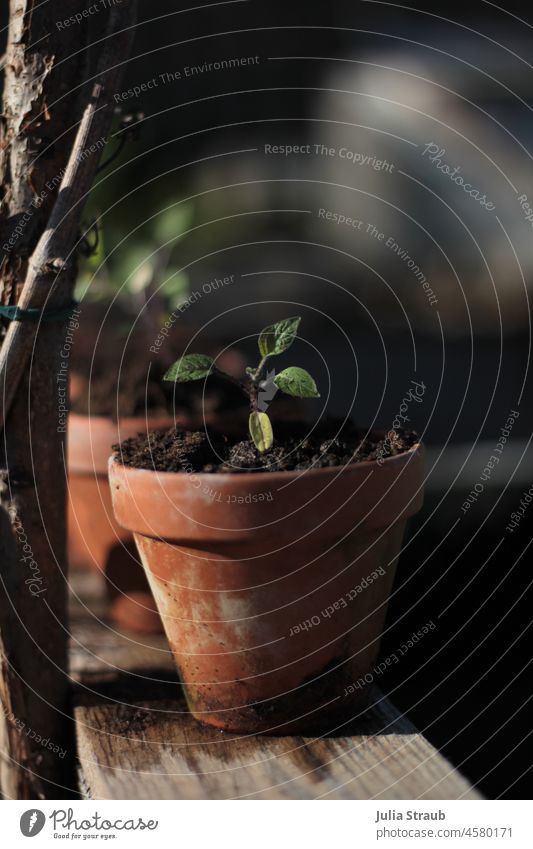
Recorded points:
(297, 447)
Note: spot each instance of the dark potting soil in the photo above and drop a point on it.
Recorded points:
(295, 448)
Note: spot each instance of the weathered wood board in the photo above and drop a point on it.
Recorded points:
(137, 741)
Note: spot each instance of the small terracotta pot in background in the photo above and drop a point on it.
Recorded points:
(264, 583)
(95, 539)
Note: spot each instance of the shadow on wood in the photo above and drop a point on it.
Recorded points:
(136, 739)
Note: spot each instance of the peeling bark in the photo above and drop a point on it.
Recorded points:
(43, 102)
(37, 106)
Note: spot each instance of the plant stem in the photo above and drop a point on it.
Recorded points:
(255, 379)
(251, 391)
(259, 369)
(242, 386)
(254, 392)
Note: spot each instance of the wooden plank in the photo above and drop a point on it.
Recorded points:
(137, 741)
(98, 650)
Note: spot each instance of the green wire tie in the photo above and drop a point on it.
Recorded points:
(14, 313)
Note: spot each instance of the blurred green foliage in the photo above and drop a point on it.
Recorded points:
(139, 270)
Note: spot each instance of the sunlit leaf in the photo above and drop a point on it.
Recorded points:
(172, 222)
(190, 367)
(261, 431)
(297, 382)
(276, 338)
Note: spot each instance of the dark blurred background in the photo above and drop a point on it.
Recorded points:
(382, 84)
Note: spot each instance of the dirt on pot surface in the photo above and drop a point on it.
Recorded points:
(296, 447)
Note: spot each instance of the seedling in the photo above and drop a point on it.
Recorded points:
(295, 381)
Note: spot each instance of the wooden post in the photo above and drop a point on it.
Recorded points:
(44, 180)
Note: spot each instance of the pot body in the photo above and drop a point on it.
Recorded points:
(272, 588)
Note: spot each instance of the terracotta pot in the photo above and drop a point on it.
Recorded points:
(272, 587)
(95, 540)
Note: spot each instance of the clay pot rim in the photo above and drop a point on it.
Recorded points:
(274, 477)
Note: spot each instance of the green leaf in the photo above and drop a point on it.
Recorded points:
(175, 286)
(98, 255)
(261, 431)
(297, 382)
(142, 277)
(190, 367)
(172, 222)
(133, 258)
(276, 338)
